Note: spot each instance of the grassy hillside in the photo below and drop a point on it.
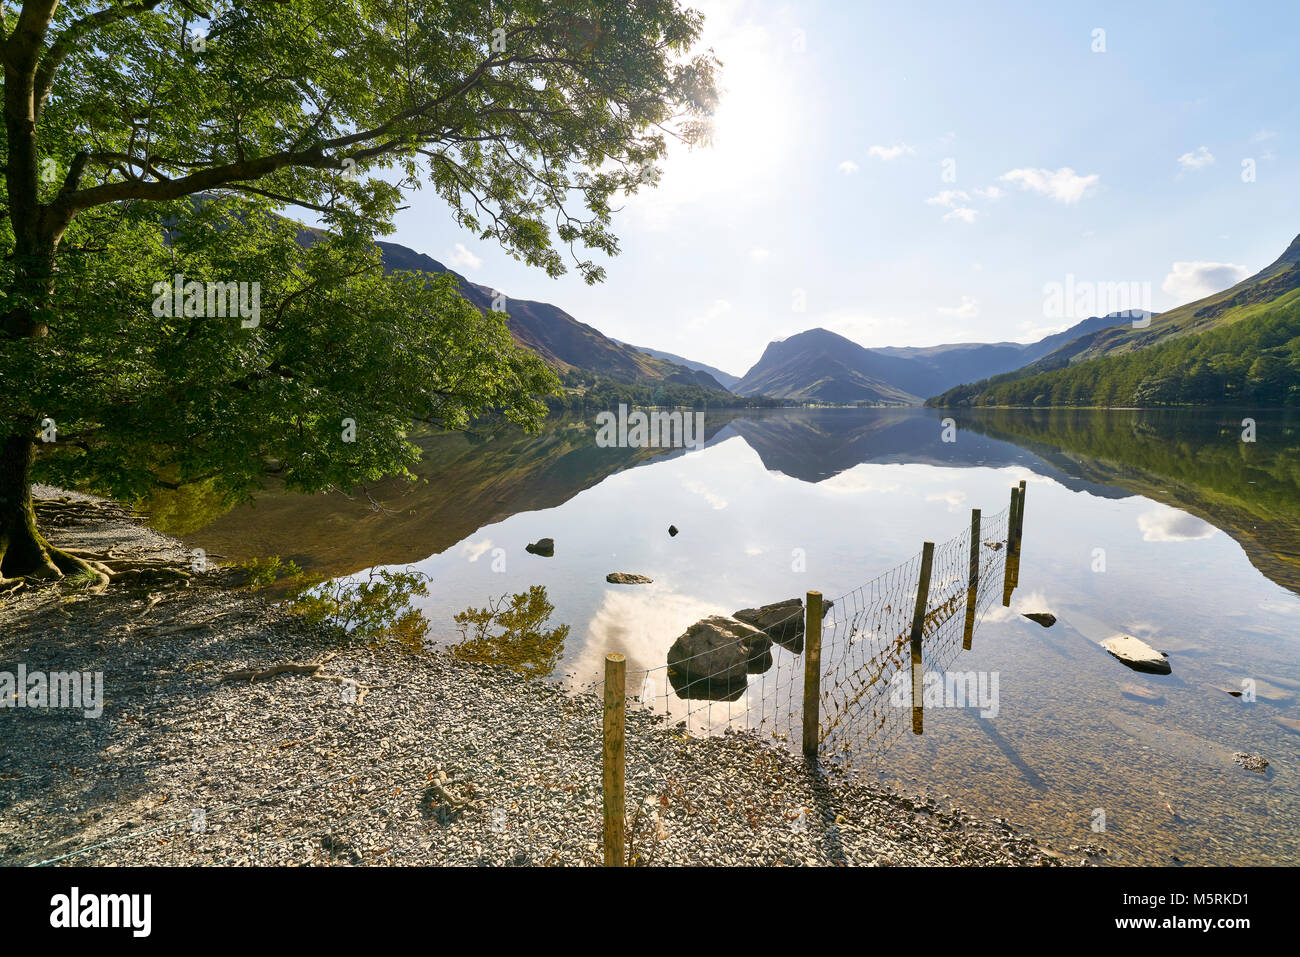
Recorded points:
(1249, 355)
(1234, 347)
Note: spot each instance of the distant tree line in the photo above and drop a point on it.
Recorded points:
(1254, 361)
(589, 390)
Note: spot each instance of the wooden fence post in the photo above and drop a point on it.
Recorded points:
(612, 758)
(1010, 564)
(973, 580)
(1020, 516)
(812, 672)
(918, 632)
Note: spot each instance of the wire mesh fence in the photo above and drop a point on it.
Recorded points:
(750, 672)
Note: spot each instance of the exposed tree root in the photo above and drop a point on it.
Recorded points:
(313, 670)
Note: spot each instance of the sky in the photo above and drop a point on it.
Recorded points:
(918, 173)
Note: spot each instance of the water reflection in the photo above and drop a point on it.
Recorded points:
(1122, 535)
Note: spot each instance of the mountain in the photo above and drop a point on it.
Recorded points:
(819, 365)
(562, 341)
(805, 365)
(1238, 346)
(726, 379)
(1266, 286)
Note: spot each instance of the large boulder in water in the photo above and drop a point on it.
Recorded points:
(782, 621)
(714, 658)
(543, 546)
(1137, 654)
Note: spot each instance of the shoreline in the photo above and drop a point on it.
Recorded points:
(440, 762)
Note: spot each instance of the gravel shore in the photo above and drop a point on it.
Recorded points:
(442, 762)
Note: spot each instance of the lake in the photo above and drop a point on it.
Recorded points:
(1169, 526)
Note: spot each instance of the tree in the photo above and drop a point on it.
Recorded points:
(145, 140)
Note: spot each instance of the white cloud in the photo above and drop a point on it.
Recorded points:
(759, 254)
(1198, 158)
(1171, 525)
(848, 167)
(989, 192)
(968, 309)
(888, 153)
(949, 198)
(955, 498)
(462, 258)
(716, 501)
(1195, 280)
(1063, 185)
(1263, 135)
(473, 551)
(718, 309)
(961, 214)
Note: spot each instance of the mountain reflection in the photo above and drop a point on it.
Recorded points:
(1193, 462)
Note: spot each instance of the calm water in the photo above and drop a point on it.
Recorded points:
(1165, 526)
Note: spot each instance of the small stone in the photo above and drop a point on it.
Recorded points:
(545, 547)
(624, 578)
(1046, 619)
(672, 529)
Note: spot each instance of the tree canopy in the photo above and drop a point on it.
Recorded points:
(160, 324)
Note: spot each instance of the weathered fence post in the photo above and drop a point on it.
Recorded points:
(612, 758)
(1009, 566)
(918, 631)
(973, 581)
(1020, 516)
(812, 672)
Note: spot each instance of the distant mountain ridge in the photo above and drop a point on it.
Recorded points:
(1270, 283)
(558, 338)
(822, 365)
(561, 340)
(726, 378)
(1240, 345)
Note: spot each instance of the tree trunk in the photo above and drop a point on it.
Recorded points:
(23, 552)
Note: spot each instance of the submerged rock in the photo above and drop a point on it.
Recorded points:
(1137, 654)
(714, 658)
(1251, 762)
(1141, 693)
(1046, 619)
(624, 578)
(543, 546)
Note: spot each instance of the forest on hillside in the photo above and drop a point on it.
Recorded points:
(1254, 361)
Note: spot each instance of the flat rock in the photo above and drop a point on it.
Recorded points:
(1046, 619)
(1137, 654)
(624, 578)
(543, 546)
